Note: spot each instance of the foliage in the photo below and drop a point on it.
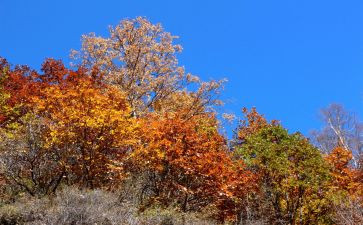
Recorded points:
(292, 173)
(345, 178)
(92, 128)
(16, 86)
(252, 124)
(139, 58)
(187, 162)
(73, 127)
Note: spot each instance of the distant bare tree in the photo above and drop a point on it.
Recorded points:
(341, 127)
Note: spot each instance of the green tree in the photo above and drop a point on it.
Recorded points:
(293, 176)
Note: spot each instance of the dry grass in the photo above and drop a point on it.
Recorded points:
(72, 207)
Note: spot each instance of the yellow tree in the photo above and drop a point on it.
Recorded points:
(90, 125)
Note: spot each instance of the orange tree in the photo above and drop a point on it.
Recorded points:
(345, 178)
(347, 186)
(187, 163)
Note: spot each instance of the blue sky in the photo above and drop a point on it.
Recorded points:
(288, 58)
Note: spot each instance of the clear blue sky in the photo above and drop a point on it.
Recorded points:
(288, 58)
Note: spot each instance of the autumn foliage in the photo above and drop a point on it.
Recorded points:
(126, 112)
(190, 164)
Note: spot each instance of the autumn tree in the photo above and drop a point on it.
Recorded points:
(17, 85)
(187, 163)
(139, 58)
(346, 185)
(71, 126)
(292, 173)
(90, 124)
(184, 158)
(344, 175)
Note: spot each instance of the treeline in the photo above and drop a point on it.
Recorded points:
(124, 120)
